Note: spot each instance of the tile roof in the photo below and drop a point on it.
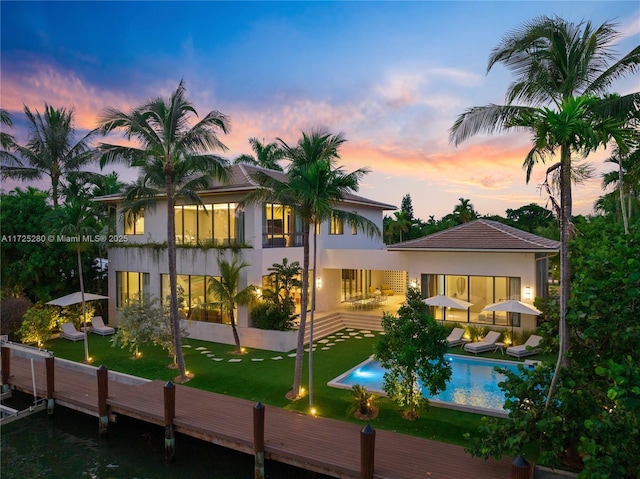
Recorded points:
(479, 235)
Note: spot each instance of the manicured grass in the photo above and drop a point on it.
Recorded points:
(269, 380)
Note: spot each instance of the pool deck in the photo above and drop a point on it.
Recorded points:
(323, 445)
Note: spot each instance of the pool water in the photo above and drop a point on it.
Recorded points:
(473, 385)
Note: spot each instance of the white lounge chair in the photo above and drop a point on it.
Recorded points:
(526, 349)
(455, 338)
(70, 332)
(98, 327)
(489, 342)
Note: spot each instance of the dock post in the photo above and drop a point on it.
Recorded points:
(5, 356)
(258, 440)
(169, 415)
(367, 451)
(49, 363)
(103, 393)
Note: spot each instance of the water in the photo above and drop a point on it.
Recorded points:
(67, 446)
(473, 384)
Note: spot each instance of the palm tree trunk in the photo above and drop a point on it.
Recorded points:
(621, 189)
(566, 233)
(84, 308)
(173, 278)
(304, 300)
(313, 308)
(236, 338)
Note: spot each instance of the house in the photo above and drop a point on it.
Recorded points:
(482, 260)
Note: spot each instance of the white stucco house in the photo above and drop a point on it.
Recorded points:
(482, 261)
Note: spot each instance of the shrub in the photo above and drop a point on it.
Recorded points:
(37, 324)
(11, 311)
(271, 315)
(362, 399)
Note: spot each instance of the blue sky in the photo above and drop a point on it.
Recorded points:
(392, 76)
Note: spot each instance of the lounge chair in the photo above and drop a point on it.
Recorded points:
(98, 327)
(526, 349)
(489, 342)
(70, 332)
(455, 338)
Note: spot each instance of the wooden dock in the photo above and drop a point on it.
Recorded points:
(323, 445)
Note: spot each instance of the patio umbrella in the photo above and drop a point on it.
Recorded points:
(513, 306)
(447, 302)
(75, 298)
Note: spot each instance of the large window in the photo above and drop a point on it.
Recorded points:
(134, 224)
(211, 223)
(128, 284)
(478, 290)
(195, 301)
(355, 283)
(280, 226)
(336, 226)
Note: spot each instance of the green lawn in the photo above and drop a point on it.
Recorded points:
(268, 380)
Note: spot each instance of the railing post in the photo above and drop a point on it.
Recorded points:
(169, 415)
(5, 356)
(103, 394)
(258, 440)
(367, 451)
(49, 363)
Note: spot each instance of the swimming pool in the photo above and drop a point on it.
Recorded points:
(473, 385)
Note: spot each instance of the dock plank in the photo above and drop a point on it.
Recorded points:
(323, 445)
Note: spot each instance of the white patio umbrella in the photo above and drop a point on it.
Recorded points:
(447, 302)
(75, 298)
(513, 306)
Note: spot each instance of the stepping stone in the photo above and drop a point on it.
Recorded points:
(201, 348)
(357, 337)
(340, 334)
(276, 358)
(331, 337)
(349, 329)
(339, 340)
(369, 335)
(325, 348)
(205, 352)
(364, 331)
(257, 359)
(323, 341)
(210, 355)
(234, 360)
(186, 346)
(331, 344)
(216, 359)
(292, 355)
(353, 334)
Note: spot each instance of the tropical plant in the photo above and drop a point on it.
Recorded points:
(267, 155)
(50, 150)
(626, 179)
(412, 349)
(6, 140)
(464, 211)
(227, 291)
(175, 160)
(363, 400)
(563, 65)
(12, 310)
(139, 319)
(37, 324)
(400, 224)
(276, 309)
(312, 187)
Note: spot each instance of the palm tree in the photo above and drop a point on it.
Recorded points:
(175, 160)
(6, 140)
(626, 179)
(50, 150)
(464, 211)
(562, 65)
(227, 293)
(312, 186)
(267, 155)
(401, 223)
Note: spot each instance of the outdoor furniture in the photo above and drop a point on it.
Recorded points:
(70, 332)
(488, 343)
(455, 337)
(499, 346)
(386, 290)
(98, 327)
(526, 349)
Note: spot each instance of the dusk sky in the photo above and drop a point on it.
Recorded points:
(391, 76)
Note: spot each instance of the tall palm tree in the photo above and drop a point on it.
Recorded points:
(401, 223)
(226, 291)
(6, 139)
(267, 155)
(50, 150)
(626, 179)
(175, 161)
(560, 67)
(313, 186)
(464, 211)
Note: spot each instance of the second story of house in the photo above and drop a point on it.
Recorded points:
(221, 220)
